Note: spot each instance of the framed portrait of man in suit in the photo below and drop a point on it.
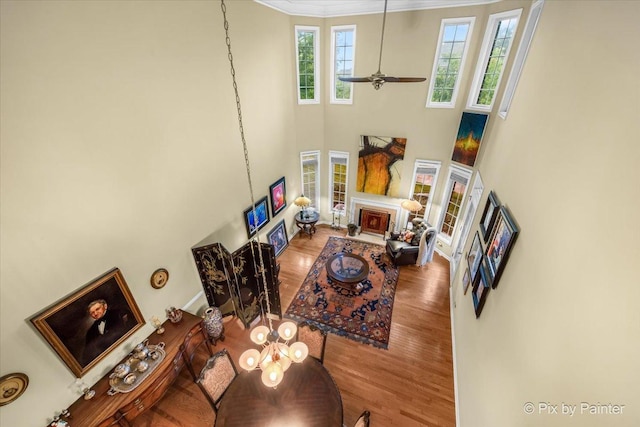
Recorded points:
(85, 326)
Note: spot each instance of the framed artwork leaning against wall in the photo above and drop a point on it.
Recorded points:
(84, 327)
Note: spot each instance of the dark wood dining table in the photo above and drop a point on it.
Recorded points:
(307, 396)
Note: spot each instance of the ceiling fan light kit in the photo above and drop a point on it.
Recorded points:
(378, 78)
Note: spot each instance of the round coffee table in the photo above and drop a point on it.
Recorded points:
(347, 270)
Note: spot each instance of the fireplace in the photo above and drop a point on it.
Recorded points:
(378, 218)
(373, 221)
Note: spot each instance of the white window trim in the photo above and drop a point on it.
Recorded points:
(316, 64)
(332, 77)
(483, 58)
(521, 57)
(444, 201)
(426, 164)
(316, 153)
(470, 20)
(338, 155)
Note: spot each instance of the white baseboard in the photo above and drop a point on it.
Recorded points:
(442, 254)
(193, 300)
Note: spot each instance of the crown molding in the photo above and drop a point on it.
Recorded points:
(334, 8)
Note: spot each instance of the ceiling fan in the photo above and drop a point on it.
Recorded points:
(377, 78)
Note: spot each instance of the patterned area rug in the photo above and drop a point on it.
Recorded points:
(364, 314)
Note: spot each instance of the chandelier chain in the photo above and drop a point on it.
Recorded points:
(262, 271)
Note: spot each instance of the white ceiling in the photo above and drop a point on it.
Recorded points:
(332, 8)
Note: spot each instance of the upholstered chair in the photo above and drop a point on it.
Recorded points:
(405, 252)
(194, 359)
(363, 420)
(216, 376)
(314, 337)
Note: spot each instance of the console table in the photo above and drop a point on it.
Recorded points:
(181, 340)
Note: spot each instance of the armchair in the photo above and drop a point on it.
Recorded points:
(404, 252)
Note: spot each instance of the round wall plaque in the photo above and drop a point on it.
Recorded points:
(159, 278)
(12, 386)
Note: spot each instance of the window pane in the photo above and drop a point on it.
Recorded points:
(486, 81)
(452, 47)
(343, 55)
(461, 32)
(449, 33)
(306, 57)
(425, 174)
(338, 178)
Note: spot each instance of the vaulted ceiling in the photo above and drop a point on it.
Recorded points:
(331, 8)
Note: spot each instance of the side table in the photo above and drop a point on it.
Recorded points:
(307, 224)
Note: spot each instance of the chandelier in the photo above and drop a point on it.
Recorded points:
(276, 354)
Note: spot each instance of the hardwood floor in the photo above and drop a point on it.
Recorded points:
(410, 384)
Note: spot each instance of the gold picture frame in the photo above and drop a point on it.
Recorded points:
(88, 324)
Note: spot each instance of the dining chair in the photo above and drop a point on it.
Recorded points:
(314, 337)
(216, 376)
(363, 420)
(196, 337)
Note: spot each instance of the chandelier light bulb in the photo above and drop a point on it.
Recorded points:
(275, 356)
(259, 334)
(287, 330)
(249, 359)
(272, 375)
(266, 358)
(298, 351)
(283, 352)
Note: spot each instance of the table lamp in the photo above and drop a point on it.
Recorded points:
(303, 202)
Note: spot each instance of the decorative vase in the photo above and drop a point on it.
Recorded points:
(213, 323)
(352, 229)
(174, 314)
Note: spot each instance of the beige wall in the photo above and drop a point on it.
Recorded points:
(563, 324)
(396, 109)
(120, 148)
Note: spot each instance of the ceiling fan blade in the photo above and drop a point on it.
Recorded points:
(355, 79)
(391, 79)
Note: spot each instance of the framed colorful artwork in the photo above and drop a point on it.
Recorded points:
(278, 237)
(470, 132)
(87, 325)
(379, 165)
(474, 257)
(489, 215)
(481, 289)
(503, 236)
(261, 218)
(278, 194)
